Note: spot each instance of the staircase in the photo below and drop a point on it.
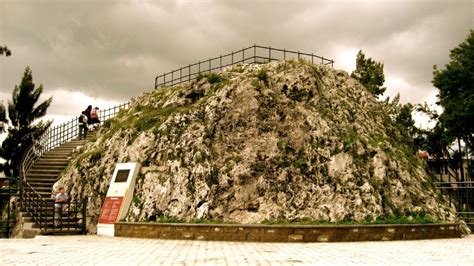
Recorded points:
(38, 206)
(45, 171)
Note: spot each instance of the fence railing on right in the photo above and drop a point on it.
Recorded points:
(252, 54)
(461, 194)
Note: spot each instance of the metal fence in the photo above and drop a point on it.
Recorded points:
(461, 194)
(70, 216)
(253, 54)
(69, 130)
(7, 211)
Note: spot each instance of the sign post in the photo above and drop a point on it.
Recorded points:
(118, 198)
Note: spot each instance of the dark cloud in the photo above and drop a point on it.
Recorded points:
(113, 49)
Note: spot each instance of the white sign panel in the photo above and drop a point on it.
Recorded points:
(118, 198)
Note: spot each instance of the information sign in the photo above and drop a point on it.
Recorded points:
(110, 210)
(118, 198)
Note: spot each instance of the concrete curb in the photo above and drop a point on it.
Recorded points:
(288, 233)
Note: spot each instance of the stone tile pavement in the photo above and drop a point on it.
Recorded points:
(131, 251)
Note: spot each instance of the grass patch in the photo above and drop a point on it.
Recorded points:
(175, 220)
(262, 75)
(94, 156)
(214, 78)
(409, 218)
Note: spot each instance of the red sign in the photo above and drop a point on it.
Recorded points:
(110, 210)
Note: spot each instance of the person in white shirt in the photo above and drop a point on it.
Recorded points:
(61, 198)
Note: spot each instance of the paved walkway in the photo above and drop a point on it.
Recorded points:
(130, 251)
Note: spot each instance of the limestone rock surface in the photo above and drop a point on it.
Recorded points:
(283, 140)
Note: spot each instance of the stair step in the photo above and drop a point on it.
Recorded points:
(35, 184)
(52, 152)
(41, 175)
(43, 160)
(47, 166)
(56, 155)
(63, 224)
(34, 171)
(59, 231)
(45, 180)
(43, 189)
(63, 148)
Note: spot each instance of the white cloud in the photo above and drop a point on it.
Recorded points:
(69, 104)
(345, 59)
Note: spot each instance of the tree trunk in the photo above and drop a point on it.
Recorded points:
(460, 161)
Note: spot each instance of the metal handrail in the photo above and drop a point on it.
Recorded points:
(39, 209)
(30, 199)
(251, 54)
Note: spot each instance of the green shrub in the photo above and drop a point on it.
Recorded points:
(107, 123)
(169, 219)
(301, 164)
(214, 78)
(94, 156)
(200, 76)
(262, 75)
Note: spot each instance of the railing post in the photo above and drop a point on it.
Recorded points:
(284, 54)
(298, 55)
(269, 54)
(210, 65)
(189, 73)
(84, 215)
(255, 53)
(220, 63)
(232, 58)
(312, 58)
(243, 56)
(20, 187)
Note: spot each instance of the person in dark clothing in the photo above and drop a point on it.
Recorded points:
(83, 125)
(88, 114)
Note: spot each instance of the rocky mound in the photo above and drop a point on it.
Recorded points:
(284, 140)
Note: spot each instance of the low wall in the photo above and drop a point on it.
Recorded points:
(287, 233)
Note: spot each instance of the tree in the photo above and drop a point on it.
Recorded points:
(5, 50)
(401, 116)
(456, 92)
(3, 118)
(22, 126)
(370, 74)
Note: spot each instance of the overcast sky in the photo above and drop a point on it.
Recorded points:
(104, 52)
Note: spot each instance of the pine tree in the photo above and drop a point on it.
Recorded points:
(370, 74)
(22, 126)
(456, 92)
